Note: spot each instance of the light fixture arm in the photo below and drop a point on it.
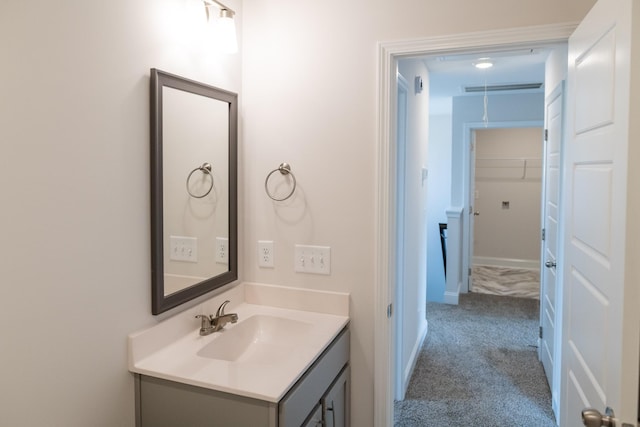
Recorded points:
(224, 29)
(224, 10)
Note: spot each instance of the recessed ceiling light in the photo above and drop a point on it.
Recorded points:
(483, 65)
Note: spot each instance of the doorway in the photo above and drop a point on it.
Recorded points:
(385, 280)
(506, 193)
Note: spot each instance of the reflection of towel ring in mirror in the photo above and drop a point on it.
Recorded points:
(206, 169)
(284, 169)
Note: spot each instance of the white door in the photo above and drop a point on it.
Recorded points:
(473, 209)
(400, 383)
(551, 206)
(601, 302)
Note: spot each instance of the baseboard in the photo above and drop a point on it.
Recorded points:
(533, 264)
(452, 297)
(555, 406)
(413, 359)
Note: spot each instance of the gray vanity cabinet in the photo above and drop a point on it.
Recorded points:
(319, 398)
(335, 404)
(333, 409)
(315, 420)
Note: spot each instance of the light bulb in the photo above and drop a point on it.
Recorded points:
(225, 33)
(483, 65)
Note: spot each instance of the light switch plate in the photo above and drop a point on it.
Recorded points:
(183, 248)
(312, 259)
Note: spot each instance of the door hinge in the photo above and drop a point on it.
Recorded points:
(544, 234)
(469, 271)
(389, 311)
(540, 332)
(546, 134)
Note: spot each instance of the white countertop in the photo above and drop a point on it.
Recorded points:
(169, 349)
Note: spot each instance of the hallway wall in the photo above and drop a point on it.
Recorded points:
(439, 199)
(411, 310)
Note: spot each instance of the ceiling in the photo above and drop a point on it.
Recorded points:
(449, 74)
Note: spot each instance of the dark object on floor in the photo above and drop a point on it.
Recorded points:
(443, 245)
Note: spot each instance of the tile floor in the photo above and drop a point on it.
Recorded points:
(515, 282)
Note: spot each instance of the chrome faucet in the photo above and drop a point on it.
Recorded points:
(210, 324)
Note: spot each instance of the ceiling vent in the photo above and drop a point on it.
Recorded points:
(503, 87)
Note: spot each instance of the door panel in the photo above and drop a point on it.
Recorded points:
(594, 77)
(601, 325)
(551, 205)
(592, 194)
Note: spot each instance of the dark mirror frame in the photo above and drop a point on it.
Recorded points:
(159, 301)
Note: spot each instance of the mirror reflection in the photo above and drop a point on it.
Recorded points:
(196, 199)
(194, 225)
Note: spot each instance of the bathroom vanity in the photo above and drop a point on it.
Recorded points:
(284, 363)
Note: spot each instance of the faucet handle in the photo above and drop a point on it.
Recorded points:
(205, 321)
(220, 311)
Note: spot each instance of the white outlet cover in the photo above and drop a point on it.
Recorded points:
(265, 253)
(222, 250)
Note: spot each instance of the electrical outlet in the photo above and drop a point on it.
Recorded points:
(312, 259)
(265, 253)
(183, 248)
(222, 250)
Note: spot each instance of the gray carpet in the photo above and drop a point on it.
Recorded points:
(479, 367)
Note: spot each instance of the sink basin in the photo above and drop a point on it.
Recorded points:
(260, 338)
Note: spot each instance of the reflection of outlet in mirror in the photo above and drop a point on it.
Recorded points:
(505, 205)
(222, 250)
(312, 259)
(265, 253)
(183, 248)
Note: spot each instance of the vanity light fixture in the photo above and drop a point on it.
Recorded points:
(224, 26)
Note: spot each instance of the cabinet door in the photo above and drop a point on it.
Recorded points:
(335, 404)
(316, 418)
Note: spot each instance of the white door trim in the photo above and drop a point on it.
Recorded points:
(400, 384)
(388, 55)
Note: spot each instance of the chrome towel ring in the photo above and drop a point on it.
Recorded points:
(206, 169)
(284, 169)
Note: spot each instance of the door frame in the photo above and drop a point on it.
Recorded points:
(385, 232)
(469, 182)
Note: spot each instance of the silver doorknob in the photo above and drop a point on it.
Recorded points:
(550, 264)
(476, 213)
(593, 418)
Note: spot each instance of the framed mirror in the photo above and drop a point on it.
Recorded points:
(194, 190)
